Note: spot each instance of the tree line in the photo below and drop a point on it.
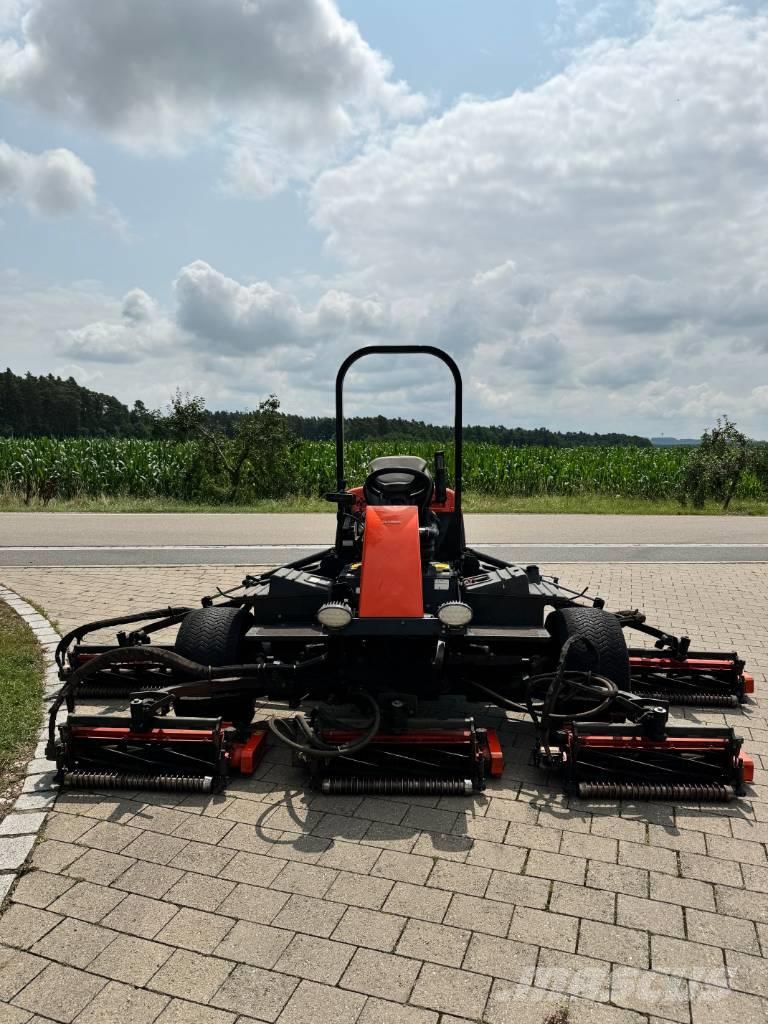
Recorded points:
(49, 406)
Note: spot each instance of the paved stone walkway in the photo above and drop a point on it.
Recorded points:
(272, 903)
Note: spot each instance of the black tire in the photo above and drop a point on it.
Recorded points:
(213, 636)
(605, 633)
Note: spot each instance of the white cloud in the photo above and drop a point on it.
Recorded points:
(141, 332)
(288, 82)
(51, 183)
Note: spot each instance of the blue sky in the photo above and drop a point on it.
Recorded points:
(568, 195)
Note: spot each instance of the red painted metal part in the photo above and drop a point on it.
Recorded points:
(493, 754)
(449, 505)
(690, 665)
(747, 768)
(689, 744)
(156, 735)
(749, 683)
(244, 756)
(443, 737)
(390, 577)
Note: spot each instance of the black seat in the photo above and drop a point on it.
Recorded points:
(399, 480)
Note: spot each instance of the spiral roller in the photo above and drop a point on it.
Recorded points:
(698, 699)
(130, 780)
(701, 792)
(382, 785)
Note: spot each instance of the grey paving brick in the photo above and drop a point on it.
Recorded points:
(686, 892)
(248, 987)
(617, 878)
(653, 916)
(443, 845)
(253, 868)
(610, 942)
(74, 942)
(753, 906)
(501, 856)
(67, 828)
(180, 1011)
(676, 838)
(16, 970)
(502, 958)
(389, 837)
(155, 847)
(533, 837)
(59, 993)
(518, 889)
(200, 891)
(755, 877)
(257, 944)
(402, 867)
(448, 990)
(574, 974)
(513, 1003)
(305, 879)
(202, 858)
(612, 826)
(593, 847)
(721, 930)
(99, 866)
(380, 974)
(440, 944)
(153, 817)
(153, 880)
(490, 830)
(40, 888)
(191, 975)
(369, 928)
(374, 808)
(140, 916)
(650, 992)
(51, 855)
(710, 869)
(578, 901)
(359, 890)
(196, 930)
(130, 959)
(466, 878)
(380, 1011)
(315, 958)
(312, 1002)
(309, 915)
(117, 1002)
(738, 850)
(556, 866)
(106, 835)
(15, 1015)
(688, 959)
(543, 928)
(429, 819)
(87, 901)
(203, 829)
(23, 926)
(417, 901)
(512, 810)
(480, 915)
(253, 903)
(14, 851)
(345, 856)
(650, 858)
(711, 1004)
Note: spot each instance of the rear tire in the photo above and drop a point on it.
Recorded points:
(605, 633)
(214, 636)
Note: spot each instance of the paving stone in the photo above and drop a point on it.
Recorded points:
(688, 959)
(312, 1002)
(87, 901)
(67, 828)
(710, 869)
(738, 850)
(660, 918)
(466, 878)
(381, 974)
(448, 990)
(513, 1003)
(118, 1002)
(195, 930)
(51, 855)
(249, 987)
(402, 867)
(305, 879)
(502, 958)
(443, 845)
(720, 930)
(152, 880)
(315, 958)
(200, 891)
(580, 902)
(21, 824)
(22, 926)
(180, 1011)
(610, 942)
(190, 975)
(40, 888)
(755, 877)
(429, 819)
(99, 866)
(512, 810)
(676, 839)
(253, 903)
(153, 817)
(253, 868)
(417, 901)
(130, 959)
(650, 992)
(16, 970)
(203, 829)
(752, 906)
(140, 916)
(369, 928)
(359, 890)
(480, 915)
(543, 928)
(650, 858)
(106, 835)
(616, 878)
(155, 847)
(593, 847)
(440, 944)
(518, 889)
(390, 837)
(374, 808)
(500, 856)
(74, 942)
(202, 858)
(309, 915)
(711, 1004)
(257, 944)
(379, 1011)
(15, 1015)
(574, 974)
(59, 993)
(345, 856)
(556, 866)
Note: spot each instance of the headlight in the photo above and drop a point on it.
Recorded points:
(454, 614)
(335, 615)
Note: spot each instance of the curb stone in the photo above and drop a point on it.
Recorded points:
(21, 826)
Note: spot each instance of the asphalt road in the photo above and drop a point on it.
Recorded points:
(52, 538)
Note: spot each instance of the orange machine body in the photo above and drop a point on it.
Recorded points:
(391, 576)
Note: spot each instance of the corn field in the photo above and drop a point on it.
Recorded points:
(43, 468)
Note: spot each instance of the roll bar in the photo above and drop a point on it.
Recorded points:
(429, 350)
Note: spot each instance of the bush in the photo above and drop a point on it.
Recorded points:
(715, 469)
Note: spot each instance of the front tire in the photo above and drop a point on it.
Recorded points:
(605, 632)
(214, 636)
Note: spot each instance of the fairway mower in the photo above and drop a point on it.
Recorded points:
(359, 646)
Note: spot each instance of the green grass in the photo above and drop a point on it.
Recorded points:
(21, 694)
(593, 504)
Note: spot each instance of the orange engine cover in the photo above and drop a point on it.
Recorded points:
(390, 577)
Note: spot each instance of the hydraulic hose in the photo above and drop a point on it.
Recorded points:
(586, 683)
(315, 747)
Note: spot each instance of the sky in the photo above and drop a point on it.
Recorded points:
(229, 196)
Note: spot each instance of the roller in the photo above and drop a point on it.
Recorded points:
(702, 793)
(382, 785)
(135, 780)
